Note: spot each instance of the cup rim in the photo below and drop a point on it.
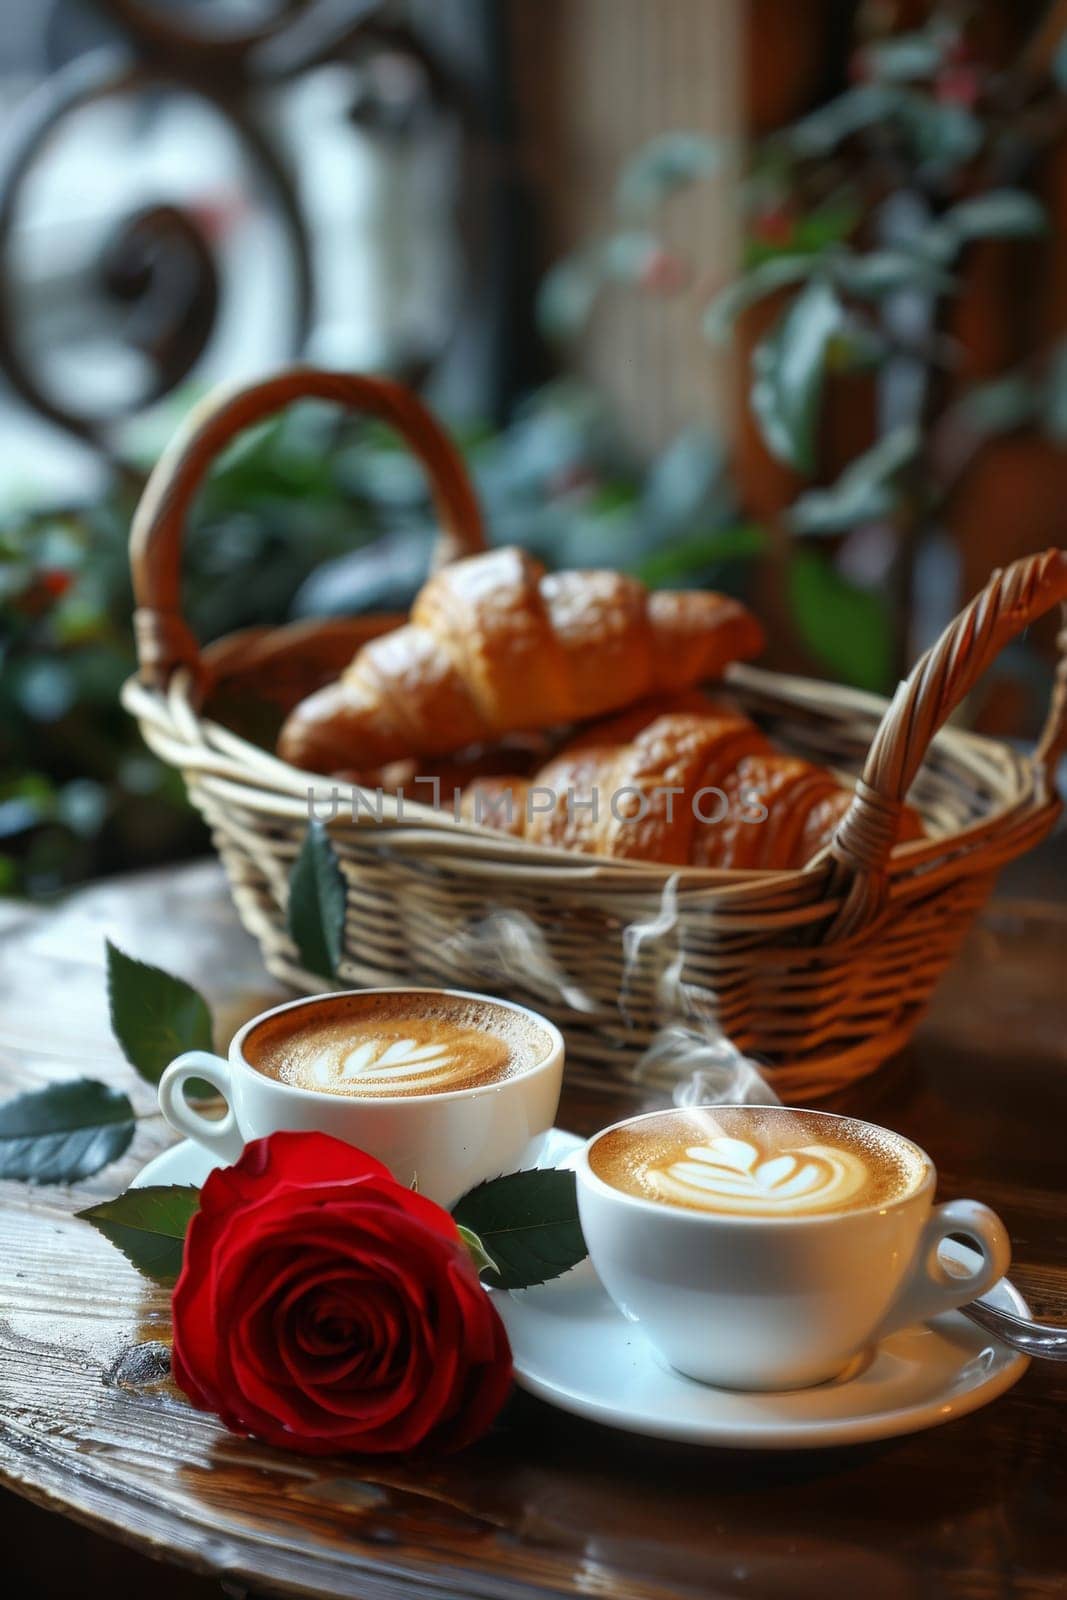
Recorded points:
(721, 1218)
(556, 1053)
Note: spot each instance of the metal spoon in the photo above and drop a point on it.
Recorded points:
(1042, 1339)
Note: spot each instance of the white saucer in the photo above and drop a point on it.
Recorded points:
(573, 1349)
(189, 1162)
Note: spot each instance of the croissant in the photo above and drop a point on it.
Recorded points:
(496, 646)
(701, 786)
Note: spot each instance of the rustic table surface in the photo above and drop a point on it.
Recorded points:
(547, 1505)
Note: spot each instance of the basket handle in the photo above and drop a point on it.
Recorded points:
(940, 679)
(164, 639)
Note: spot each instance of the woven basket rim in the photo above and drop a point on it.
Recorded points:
(823, 969)
(171, 718)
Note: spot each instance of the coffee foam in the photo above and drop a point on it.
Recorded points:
(369, 1046)
(763, 1161)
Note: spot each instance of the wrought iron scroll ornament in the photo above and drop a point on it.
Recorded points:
(158, 265)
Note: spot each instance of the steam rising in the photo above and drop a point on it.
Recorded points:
(510, 945)
(692, 1052)
(689, 1054)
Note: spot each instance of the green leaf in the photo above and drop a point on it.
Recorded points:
(943, 136)
(665, 164)
(316, 911)
(154, 1015)
(528, 1223)
(819, 132)
(849, 629)
(1000, 406)
(65, 1132)
(909, 57)
(999, 214)
(881, 272)
(789, 367)
(680, 482)
(568, 293)
(625, 256)
(1059, 64)
(856, 346)
(816, 232)
(829, 224)
(685, 557)
(863, 492)
(149, 1226)
(477, 1251)
(780, 272)
(1054, 409)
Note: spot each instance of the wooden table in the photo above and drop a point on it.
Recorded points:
(547, 1505)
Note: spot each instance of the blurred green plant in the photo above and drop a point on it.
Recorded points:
(307, 515)
(80, 794)
(857, 222)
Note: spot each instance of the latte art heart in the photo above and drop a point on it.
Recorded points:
(385, 1061)
(757, 1161)
(383, 1045)
(734, 1174)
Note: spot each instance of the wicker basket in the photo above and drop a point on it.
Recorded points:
(821, 973)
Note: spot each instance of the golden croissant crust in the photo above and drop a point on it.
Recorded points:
(699, 786)
(496, 646)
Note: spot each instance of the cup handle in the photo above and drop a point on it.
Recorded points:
(221, 1136)
(932, 1285)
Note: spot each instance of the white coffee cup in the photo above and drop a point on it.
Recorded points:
(445, 1142)
(762, 1302)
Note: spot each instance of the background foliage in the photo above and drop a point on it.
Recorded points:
(859, 221)
(306, 516)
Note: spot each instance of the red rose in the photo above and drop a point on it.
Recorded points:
(324, 1307)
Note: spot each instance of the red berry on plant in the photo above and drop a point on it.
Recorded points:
(958, 85)
(56, 582)
(663, 273)
(775, 227)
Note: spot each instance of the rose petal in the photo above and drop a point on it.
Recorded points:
(323, 1306)
(276, 1386)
